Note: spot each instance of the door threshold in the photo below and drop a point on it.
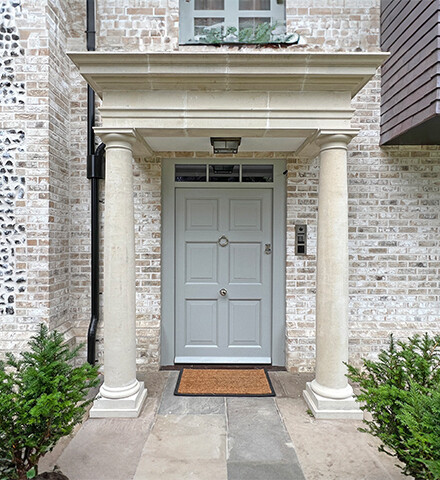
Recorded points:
(272, 368)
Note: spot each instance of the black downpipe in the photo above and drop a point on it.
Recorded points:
(91, 31)
(95, 171)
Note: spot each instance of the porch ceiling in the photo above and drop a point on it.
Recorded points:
(274, 101)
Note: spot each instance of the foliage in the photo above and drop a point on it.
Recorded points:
(401, 390)
(262, 33)
(41, 400)
(421, 415)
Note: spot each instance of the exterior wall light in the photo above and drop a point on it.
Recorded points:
(225, 145)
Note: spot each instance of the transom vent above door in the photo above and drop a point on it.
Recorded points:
(223, 173)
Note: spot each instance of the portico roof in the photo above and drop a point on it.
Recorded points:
(176, 101)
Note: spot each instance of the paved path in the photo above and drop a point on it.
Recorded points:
(217, 438)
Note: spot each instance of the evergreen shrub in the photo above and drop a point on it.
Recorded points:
(401, 391)
(42, 398)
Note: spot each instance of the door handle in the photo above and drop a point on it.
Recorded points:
(223, 292)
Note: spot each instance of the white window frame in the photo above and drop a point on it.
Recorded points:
(231, 14)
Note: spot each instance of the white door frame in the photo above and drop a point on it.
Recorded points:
(168, 249)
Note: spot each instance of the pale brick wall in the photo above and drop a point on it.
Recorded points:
(59, 164)
(394, 241)
(302, 208)
(35, 120)
(79, 240)
(328, 25)
(394, 199)
(147, 196)
(394, 192)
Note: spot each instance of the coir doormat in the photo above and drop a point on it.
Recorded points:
(221, 382)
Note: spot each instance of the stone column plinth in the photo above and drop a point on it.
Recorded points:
(329, 395)
(121, 395)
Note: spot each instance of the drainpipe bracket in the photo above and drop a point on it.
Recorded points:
(95, 166)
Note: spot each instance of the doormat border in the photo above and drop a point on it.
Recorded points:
(176, 393)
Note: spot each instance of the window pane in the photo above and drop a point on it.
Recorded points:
(254, 5)
(209, 5)
(224, 173)
(252, 22)
(247, 21)
(190, 173)
(203, 26)
(257, 173)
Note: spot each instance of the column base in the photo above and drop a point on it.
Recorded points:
(330, 408)
(128, 407)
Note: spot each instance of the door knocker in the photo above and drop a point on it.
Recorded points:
(223, 241)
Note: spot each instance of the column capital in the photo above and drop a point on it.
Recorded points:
(124, 138)
(339, 140)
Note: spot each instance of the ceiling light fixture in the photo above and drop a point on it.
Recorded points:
(225, 145)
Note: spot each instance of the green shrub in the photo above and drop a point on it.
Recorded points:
(401, 390)
(41, 400)
(421, 415)
(264, 32)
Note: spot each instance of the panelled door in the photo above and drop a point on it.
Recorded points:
(223, 305)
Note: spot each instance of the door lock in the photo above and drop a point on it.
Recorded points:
(223, 292)
(267, 248)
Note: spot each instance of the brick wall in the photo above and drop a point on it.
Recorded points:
(394, 241)
(59, 164)
(22, 154)
(394, 192)
(147, 197)
(34, 133)
(326, 25)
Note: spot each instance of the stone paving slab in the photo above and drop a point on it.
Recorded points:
(110, 448)
(187, 437)
(173, 469)
(264, 471)
(334, 449)
(107, 449)
(256, 432)
(176, 405)
(288, 384)
(189, 443)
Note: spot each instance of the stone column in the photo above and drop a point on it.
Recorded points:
(329, 395)
(121, 395)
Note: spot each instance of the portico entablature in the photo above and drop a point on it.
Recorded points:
(273, 101)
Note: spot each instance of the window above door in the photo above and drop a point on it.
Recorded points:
(223, 173)
(212, 22)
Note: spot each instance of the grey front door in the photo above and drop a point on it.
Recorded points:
(223, 305)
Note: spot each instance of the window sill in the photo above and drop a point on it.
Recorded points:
(242, 44)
